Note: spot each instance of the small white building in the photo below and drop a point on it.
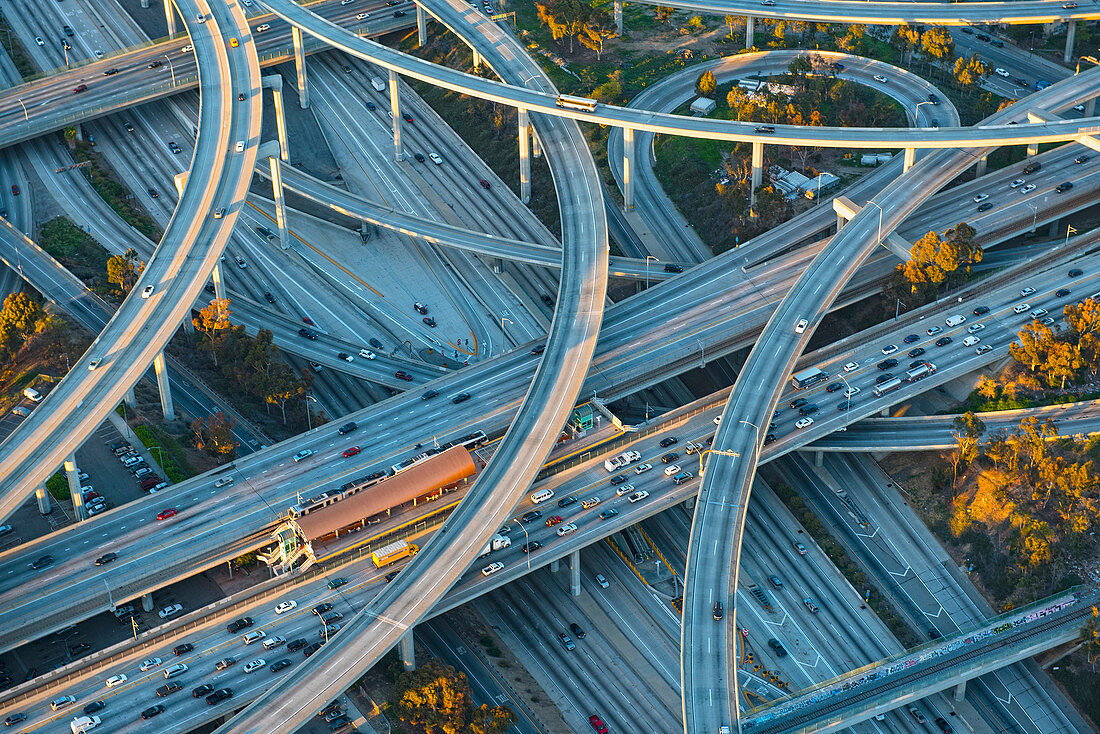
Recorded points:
(703, 106)
(819, 184)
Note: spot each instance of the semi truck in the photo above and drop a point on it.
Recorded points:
(886, 387)
(920, 372)
(497, 542)
(395, 551)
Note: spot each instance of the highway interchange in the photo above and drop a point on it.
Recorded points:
(554, 355)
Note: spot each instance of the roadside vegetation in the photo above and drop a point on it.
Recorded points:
(110, 188)
(15, 50)
(936, 263)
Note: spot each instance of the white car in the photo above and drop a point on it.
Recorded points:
(801, 326)
(889, 349)
(366, 354)
(624, 489)
(933, 330)
(492, 568)
(638, 496)
(1027, 292)
(285, 606)
(170, 610)
(303, 454)
(98, 54)
(346, 2)
(566, 529)
(851, 391)
(148, 291)
(971, 341)
(275, 641)
(116, 680)
(851, 367)
(974, 328)
(804, 422)
(434, 157)
(717, 420)
(881, 79)
(642, 468)
(187, 49)
(601, 581)
(255, 665)
(1017, 183)
(1001, 72)
(1027, 189)
(149, 664)
(263, 27)
(39, 41)
(980, 198)
(672, 470)
(362, 16)
(1020, 308)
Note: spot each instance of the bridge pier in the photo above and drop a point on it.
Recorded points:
(1071, 33)
(405, 648)
(1090, 107)
(477, 59)
(280, 201)
(147, 602)
(536, 146)
(180, 180)
(43, 496)
(524, 156)
(757, 175)
(170, 16)
(885, 412)
(689, 504)
(819, 458)
(750, 31)
(960, 691)
(910, 159)
(161, 369)
(575, 573)
(73, 477)
(619, 17)
(983, 165)
(274, 82)
(421, 25)
(130, 399)
(300, 67)
(554, 565)
(1032, 149)
(628, 168)
(395, 108)
(219, 284)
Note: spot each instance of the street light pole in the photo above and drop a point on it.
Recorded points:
(647, 259)
(171, 69)
(720, 452)
(25, 115)
(309, 417)
(1069, 230)
(526, 541)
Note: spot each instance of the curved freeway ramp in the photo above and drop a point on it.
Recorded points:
(529, 439)
(192, 243)
(708, 666)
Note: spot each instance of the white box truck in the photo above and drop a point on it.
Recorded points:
(378, 84)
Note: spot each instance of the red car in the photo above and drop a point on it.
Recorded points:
(402, 375)
(308, 320)
(484, 184)
(352, 451)
(14, 190)
(165, 514)
(597, 724)
(80, 88)
(553, 520)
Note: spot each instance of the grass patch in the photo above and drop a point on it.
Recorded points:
(171, 454)
(58, 487)
(114, 192)
(840, 558)
(78, 251)
(15, 50)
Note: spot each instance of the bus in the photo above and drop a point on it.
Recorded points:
(886, 387)
(569, 102)
(808, 378)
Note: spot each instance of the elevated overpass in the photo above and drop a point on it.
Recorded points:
(949, 661)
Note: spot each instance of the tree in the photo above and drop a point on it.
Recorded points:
(592, 39)
(123, 270)
(731, 22)
(19, 318)
(968, 431)
(800, 65)
(969, 72)
(1090, 636)
(213, 322)
(937, 43)
(434, 697)
(905, 39)
(281, 386)
(663, 14)
(214, 434)
(706, 84)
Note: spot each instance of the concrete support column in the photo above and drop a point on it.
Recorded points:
(1090, 107)
(750, 31)
(73, 477)
(1032, 149)
(689, 503)
(219, 284)
(536, 146)
(477, 59)
(910, 159)
(575, 573)
(405, 647)
(628, 168)
(300, 67)
(819, 458)
(395, 108)
(1052, 230)
(147, 602)
(960, 691)
(757, 174)
(619, 17)
(885, 412)
(130, 399)
(144, 4)
(421, 25)
(43, 496)
(280, 202)
(840, 222)
(170, 16)
(554, 565)
(982, 167)
(180, 180)
(161, 369)
(1071, 33)
(524, 157)
(275, 83)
